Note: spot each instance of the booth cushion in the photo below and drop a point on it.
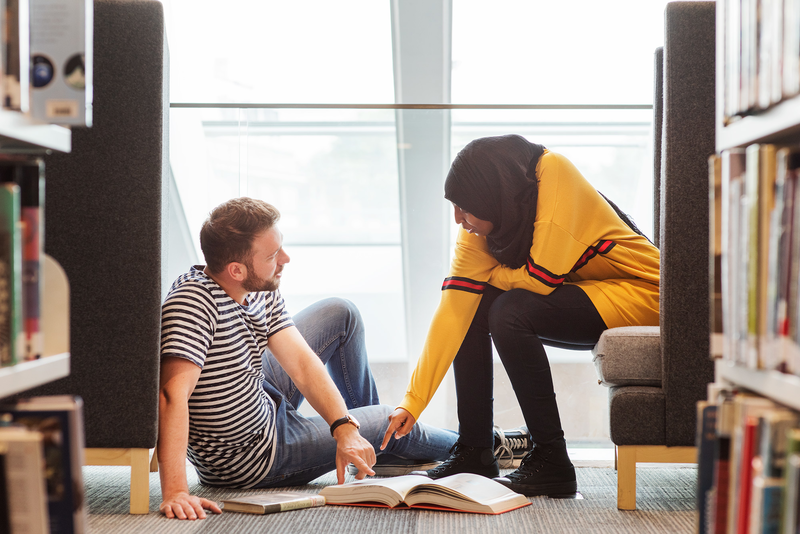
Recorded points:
(629, 356)
(637, 415)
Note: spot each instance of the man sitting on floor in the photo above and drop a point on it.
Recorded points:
(231, 405)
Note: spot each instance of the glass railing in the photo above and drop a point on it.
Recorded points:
(360, 190)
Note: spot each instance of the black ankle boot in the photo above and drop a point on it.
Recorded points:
(465, 459)
(546, 470)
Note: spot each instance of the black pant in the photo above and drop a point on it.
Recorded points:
(520, 322)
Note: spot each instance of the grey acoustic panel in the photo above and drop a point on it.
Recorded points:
(637, 415)
(103, 224)
(688, 141)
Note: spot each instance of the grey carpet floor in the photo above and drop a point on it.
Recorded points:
(665, 503)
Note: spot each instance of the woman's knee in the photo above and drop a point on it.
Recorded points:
(508, 308)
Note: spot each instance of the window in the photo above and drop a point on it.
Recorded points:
(291, 102)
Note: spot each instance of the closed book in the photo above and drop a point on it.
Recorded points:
(24, 480)
(718, 520)
(706, 444)
(791, 48)
(790, 507)
(31, 182)
(11, 332)
(765, 517)
(270, 503)
(60, 420)
(17, 60)
(790, 514)
(732, 168)
(715, 253)
(749, 439)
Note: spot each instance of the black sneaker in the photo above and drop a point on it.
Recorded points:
(510, 446)
(465, 459)
(546, 470)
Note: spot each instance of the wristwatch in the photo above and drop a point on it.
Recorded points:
(344, 420)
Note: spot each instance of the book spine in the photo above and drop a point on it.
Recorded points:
(24, 479)
(60, 420)
(706, 440)
(790, 516)
(16, 64)
(312, 502)
(32, 198)
(10, 275)
(761, 56)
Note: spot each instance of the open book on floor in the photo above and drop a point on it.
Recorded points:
(457, 493)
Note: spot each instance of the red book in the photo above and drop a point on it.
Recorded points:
(746, 475)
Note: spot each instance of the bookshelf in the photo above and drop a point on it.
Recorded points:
(19, 134)
(779, 125)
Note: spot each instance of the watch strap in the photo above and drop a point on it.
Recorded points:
(342, 421)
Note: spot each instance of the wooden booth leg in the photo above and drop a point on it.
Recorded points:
(629, 455)
(139, 462)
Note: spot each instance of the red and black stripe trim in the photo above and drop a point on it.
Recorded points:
(463, 284)
(602, 247)
(554, 280)
(543, 275)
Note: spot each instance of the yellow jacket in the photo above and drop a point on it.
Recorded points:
(577, 239)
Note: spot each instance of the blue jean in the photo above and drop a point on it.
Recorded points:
(304, 446)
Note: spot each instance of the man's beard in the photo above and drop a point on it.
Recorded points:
(252, 283)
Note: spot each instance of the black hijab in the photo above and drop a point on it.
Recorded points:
(494, 179)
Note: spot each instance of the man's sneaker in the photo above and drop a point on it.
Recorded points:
(510, 446)
(546, 470)
(465, 459)
(389, 465)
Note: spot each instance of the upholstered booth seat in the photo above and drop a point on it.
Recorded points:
(629, 356)
(656, 375)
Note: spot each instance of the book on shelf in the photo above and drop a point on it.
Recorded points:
(12, 344)
(760, 257)
(717, 518)
(733, 261)
(752, 442)
(715, 252)
(760, 54)
(790, 508)
(769, 466)
(22, 468)
(31, 182)
(745, 477)
(59, 418)
(746, 409)
(28, 174)
(270, 503)
(790, 57)
(463, 492)
(17, 55)
(706, 445)
(781, 243)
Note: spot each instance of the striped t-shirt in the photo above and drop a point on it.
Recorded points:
(231, 417)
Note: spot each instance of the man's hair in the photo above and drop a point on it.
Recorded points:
(227, 234)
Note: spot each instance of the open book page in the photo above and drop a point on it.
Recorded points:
(466, 491)
(468, 486)
(389, 491)
(463, 492)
